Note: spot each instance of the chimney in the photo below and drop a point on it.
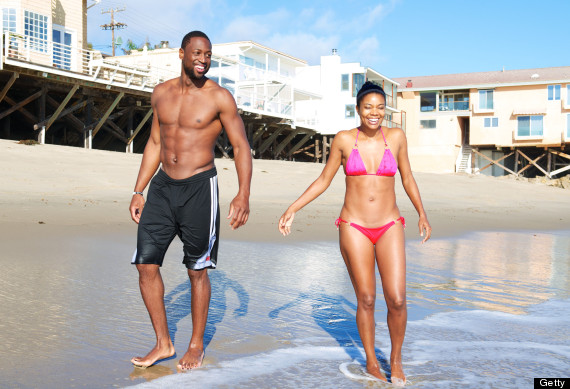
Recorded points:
(333, 51)
(409, 84)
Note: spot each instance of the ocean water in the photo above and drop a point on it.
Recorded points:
(485, 310)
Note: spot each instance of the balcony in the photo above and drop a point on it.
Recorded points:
(454, 106)
(60, 59)
(453, 101)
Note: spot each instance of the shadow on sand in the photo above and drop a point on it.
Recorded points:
(178, 304)
(331, 314)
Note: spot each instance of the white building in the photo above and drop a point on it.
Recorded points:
(337, 83)
(265, 81)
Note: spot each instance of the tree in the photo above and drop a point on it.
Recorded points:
(130, 47)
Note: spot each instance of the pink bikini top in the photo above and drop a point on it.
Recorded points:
(355, 165)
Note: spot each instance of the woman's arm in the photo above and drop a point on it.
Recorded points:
(316, 188)
(410, 185)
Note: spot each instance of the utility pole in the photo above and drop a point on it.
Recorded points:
(113, 25)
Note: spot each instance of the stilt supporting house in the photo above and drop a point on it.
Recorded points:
(548, 161)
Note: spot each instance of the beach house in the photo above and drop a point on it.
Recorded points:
(497, 123)
(56, 90)
(45, 32)
(291, 109)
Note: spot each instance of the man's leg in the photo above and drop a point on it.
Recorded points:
(152, 291)
(201, 291)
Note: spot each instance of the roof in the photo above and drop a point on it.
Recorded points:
(261, 47)
(537, 76)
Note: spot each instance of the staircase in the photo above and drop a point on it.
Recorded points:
(464, 164)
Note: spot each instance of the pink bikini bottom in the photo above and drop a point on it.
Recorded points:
(372, 233)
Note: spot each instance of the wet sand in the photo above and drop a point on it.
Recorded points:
(72, 313)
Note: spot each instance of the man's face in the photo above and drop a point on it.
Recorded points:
(196, 57)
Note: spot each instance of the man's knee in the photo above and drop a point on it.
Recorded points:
(198, 275)
(147, 270)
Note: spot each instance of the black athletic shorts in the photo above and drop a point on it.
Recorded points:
(188, 208)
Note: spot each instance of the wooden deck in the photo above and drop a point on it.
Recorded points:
(58, 107)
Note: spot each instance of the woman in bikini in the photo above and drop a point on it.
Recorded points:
(371, 229)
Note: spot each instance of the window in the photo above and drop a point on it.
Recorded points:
(61, 48)
(553, 92)
(453, 101)
(35, 27)
(9, 24)
(9, 19)
(344, 82)
(246, 60)
(529, 125)
(349, 111)
(228, 84)
(427, 123)
(568, 126)
(485, 99)
(491, 122)
(427, 102)
(357, 82)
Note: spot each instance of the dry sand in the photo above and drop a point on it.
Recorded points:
(55, 188)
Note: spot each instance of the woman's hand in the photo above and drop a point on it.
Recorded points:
(285, 222)
(423, 224)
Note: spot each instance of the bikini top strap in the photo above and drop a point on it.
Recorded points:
(356, 140)
(382, 132)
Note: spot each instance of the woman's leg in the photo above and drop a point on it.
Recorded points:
(358, 254)
(391, 258)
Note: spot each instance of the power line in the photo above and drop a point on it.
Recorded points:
(113, 25)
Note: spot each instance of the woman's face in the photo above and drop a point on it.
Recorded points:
(371, 110)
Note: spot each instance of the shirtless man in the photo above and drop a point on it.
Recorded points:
(189, 114)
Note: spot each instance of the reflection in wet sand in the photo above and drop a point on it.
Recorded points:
(151, 373)
(493, 271)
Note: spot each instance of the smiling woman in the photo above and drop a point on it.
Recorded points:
(374, 232)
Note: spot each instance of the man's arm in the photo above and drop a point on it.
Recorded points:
(149, 163)
(232, 123)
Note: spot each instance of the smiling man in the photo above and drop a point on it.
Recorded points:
(189, 114)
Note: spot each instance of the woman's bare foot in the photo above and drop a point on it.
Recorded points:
(397, 375)
(156, 354)
(192, 359)
(374, 370)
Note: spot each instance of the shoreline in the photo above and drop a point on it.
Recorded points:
(73, 304)
(58, 186)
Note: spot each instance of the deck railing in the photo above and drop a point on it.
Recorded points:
(57, 58)
(37, 53)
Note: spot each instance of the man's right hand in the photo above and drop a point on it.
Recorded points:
(137, 205)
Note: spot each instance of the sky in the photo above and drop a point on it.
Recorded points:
(398, 38)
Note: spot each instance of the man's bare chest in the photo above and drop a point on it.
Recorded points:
(187, 112)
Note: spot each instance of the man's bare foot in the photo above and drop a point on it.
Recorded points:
(397, 375)
(374, 370)
(156, 354)
(192, 359)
